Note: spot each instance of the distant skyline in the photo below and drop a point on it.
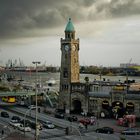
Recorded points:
(109, 30)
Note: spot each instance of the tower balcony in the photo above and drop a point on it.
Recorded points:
(69, 40)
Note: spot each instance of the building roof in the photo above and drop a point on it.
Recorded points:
(69, 27)
(133, 97)
(20, 93)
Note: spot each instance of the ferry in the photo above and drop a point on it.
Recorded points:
(51, 82)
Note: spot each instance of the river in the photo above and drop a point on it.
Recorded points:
(45, 76)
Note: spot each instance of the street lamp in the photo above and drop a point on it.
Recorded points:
(36, 130)
(25, 118)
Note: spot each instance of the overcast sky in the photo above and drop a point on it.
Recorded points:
(109, 30)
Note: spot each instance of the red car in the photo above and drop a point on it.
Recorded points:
(84, 121)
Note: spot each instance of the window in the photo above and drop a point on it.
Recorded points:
(65, 87)
(65, 73)
(65, 56)
(96, 88)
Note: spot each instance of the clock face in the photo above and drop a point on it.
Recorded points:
(73, 47)
(66, 47)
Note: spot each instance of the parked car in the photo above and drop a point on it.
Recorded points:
(107, 130)
(14, 124)
(27, 122)
(48, 125)
(4, 114)
(84, 121)
(59, 115)
(32, 107)
(15, 119)
(130, 131)
(22, 128)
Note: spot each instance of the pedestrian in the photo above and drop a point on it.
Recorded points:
(92, 120)
(67, 130)
(86, 126)
(81, 127)
(38, 110)
(2, 132)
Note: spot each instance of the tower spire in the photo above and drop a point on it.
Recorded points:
(69, 30)
(69, 27)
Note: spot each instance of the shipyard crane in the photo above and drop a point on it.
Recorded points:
(130, 61)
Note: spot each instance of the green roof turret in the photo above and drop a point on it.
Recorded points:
(69, 27)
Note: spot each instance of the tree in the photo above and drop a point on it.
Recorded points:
(86, 79)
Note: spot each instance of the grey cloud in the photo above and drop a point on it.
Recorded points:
(18, 17)
(124, 8)
(115, 8)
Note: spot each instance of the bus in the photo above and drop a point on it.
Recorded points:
(9, 99)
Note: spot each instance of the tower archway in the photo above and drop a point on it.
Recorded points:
(77, 106)
(118, 109)
(105, 104)
(117, 104)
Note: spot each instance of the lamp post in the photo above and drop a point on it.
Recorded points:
(25, 118)
(36, 130)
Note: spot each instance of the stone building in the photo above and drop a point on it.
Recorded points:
(98, 97)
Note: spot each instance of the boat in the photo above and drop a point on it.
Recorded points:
(51, 82)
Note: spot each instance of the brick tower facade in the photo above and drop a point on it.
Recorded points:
(69, 65)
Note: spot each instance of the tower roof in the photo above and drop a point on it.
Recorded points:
(69, 27)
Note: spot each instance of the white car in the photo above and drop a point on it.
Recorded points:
(32, 107)
(14, 124)
(26, 128)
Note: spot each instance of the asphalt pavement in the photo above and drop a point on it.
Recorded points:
(86, 134)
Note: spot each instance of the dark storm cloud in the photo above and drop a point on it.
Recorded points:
(18, 17)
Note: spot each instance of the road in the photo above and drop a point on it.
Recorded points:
(59, 133)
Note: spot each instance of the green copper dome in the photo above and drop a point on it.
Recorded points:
(69, 27)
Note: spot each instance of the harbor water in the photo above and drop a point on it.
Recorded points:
(43, 77)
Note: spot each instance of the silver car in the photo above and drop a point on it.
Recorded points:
(130, 131)
(48, 125)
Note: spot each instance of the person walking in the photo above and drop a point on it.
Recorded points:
(81, 127)
(2, 132)
(86, 126)
(67, 130)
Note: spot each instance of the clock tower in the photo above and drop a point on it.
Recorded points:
(69, 65)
